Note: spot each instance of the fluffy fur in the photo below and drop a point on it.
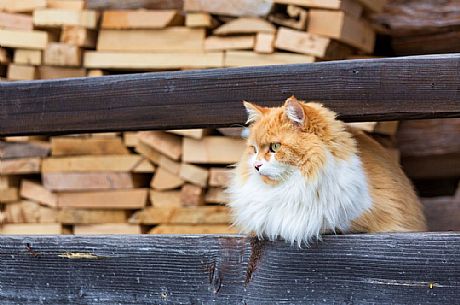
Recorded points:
(322, 178)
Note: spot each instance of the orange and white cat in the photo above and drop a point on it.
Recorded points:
(306, 173)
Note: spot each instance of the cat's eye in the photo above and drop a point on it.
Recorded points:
(274, 147)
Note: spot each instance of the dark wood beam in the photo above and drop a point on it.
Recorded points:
(420, 268)
(360, 90)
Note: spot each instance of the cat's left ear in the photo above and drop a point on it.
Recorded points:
(254, 112)
(295, 111)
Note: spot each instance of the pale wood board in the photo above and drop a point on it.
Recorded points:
(90, 181)
(213, 150)
(55, 17)
(186, 215)
(115, 163)
(107, 228)
(24, 39)
(251, 59)
(113, 199)
(68, 146)
(140, 19)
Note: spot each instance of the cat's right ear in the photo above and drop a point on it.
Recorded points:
(254, 112)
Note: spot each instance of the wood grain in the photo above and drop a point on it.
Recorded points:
(359, 90)
(154, 269)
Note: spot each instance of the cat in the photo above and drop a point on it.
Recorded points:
(305, 173)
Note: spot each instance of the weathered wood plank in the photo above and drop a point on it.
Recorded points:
(359, 90)
(359, 269)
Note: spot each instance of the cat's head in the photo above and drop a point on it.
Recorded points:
(297, 135)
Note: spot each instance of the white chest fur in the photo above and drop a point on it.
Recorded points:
(297, 209)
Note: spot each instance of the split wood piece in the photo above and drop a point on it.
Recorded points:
(96, 73)
(7, 182)
(194, 174)
(249, 59)
(138, 19)
(25, 138)
(213, 150)
(171, 166)
(216, 195)
(130, 138)
(185, 215)
(9, 195)
(220, 177)
(114, 199)
(21, 6)
(245, 25)
(78, 216)
(338, 25)
(200, 20)
(31, 229)
(351, 7)
(145, 167)
(265, 43)
(442, 213)
(217, 43)
(192, 133)
(16, 21)
(166, 143)
(174, 39)
(193, 229)
(153, 61)
(21, 72)
(79, 36)
(24, 39)
(164, 180)
(91, 181)
(16, 150)
(27, 57)
(297, 18)
(67, 4)
(37, 192)
(165, 199)
(145, 150)
(114, 163)
(70, 146)
(20, 166)
(107, 228)
(230, 7)
(62, 54)
(192, 195)
(29, 212)
(136, 4)
(312, 44)
(4, 56)
(374, 6)
(47, 72)
(54, 17)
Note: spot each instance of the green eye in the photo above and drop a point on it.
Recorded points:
(274, 147)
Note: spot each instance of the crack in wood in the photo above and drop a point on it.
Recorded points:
(257, 247)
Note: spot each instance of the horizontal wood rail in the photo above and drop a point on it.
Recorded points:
(359, 90)
(421, 268)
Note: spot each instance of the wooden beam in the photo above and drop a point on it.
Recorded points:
(390, 88)
(138, 19)
(367, 269)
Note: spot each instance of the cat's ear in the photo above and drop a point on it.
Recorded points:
(295, 111)
(254, 112)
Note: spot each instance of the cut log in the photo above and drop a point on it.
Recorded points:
(174, 39)
(21, 6)
(20, 166)
(149, 61)
(229, 7)
(9, 195)
(36, 192)
(21, 72)
(16, 150)
(213, 150)
(200, 20)
(265, 43)
(194, 174)
(79, 36)
(31, 229)
(145, 167)
(69, 146)
(337, 25)
(130, 139)
(67, 4)
(245, 25)
(171, 166)
(164, 180)
(29, 212)
(166, 143)
(62, 54)
(128, 20)
(106, 229)
(220, 177)
(90, 181)
(250, 59)
(192, 195)
(187, 215)
(152, 154)
(27, 57)
(193, 229)
(192, 133)
(216, 43)
(312, 44)
(216, 195)
(115, 163)
(77, 216)
(114, 199)
(47, 72)
(61, 17)
(16, 21)
(165, 199)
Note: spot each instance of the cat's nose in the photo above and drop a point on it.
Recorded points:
(257, 166)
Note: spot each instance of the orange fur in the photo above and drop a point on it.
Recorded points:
(395, 206)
